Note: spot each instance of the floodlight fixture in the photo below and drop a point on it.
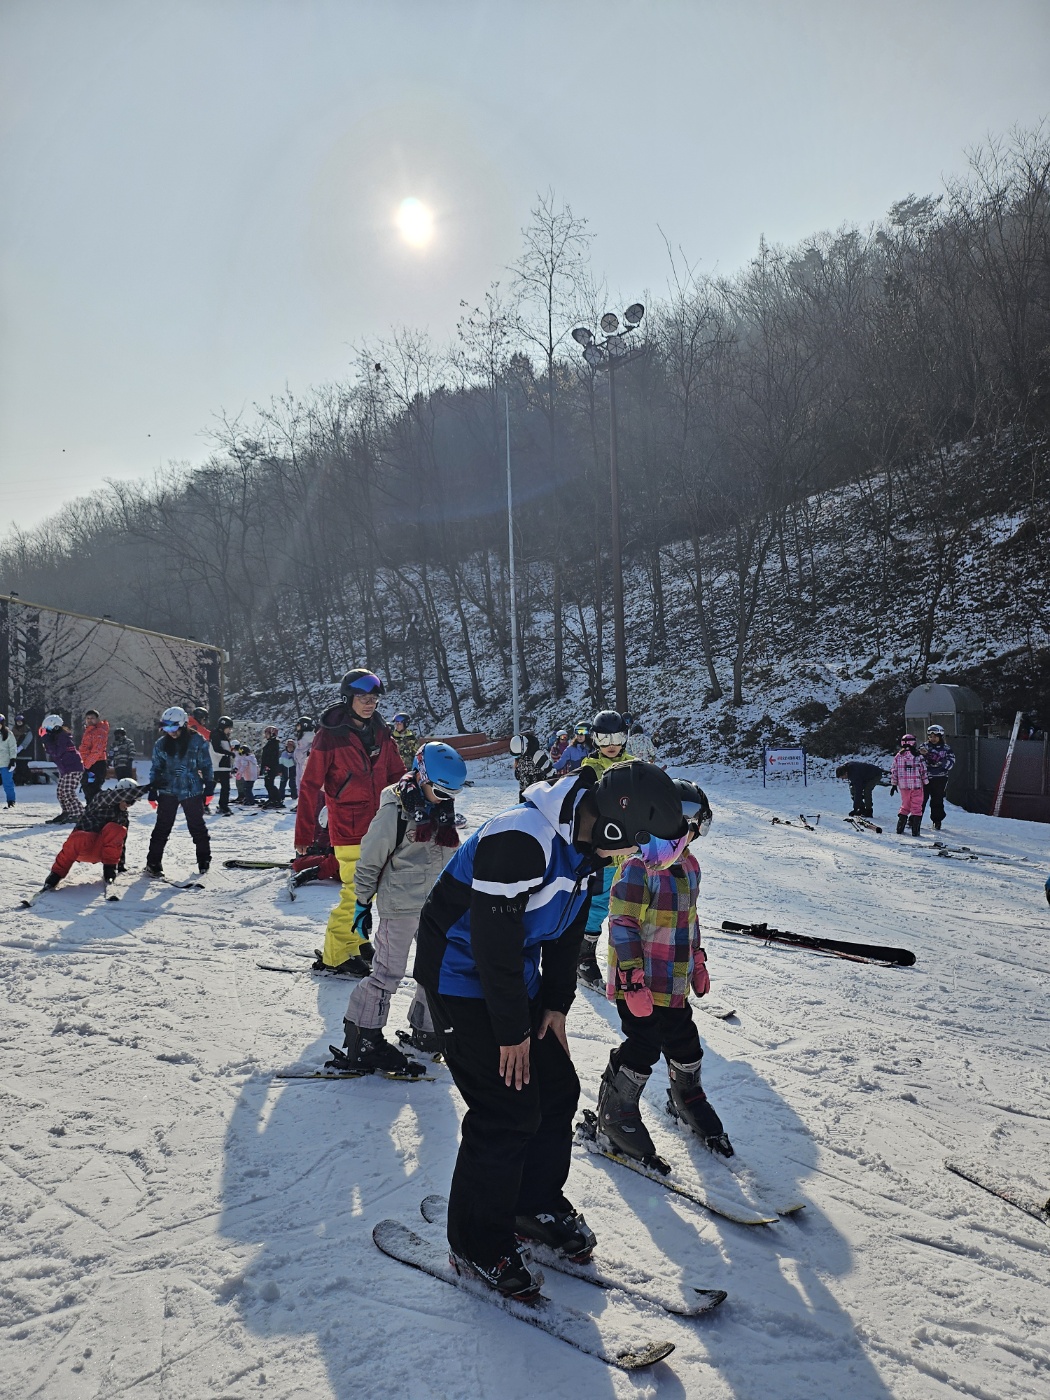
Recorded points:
(634, 314)
(610, 323)
(593, 355)
(582, 335)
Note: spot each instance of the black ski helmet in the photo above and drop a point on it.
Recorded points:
(200, 714)
(120, 732)
(609, 728)
(694, 799)
(635, 801)
(359, 682)
(224, 722)
(304, 724)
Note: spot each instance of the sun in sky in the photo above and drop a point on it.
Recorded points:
(415, 222)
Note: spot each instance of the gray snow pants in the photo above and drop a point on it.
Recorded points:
(369, 1004)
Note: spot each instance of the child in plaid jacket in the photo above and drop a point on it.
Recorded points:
(655, 957)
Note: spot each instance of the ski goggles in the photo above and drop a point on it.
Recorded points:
(368, 684)
(611, 741)
(657, 853)
(171, 728)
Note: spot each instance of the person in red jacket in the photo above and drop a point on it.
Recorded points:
(353, 758)
(94, 746)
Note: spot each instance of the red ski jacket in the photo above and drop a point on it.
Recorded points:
(340, 773)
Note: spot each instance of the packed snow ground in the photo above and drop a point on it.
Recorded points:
(178, 1223)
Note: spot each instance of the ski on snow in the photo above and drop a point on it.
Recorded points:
(857, 952)
(862, 824)
(996, 1184)
(569, 1324)
(738, 1211)
(111, 896)
(352, 1074)
(434, 1209)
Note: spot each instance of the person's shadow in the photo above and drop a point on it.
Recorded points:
(782, 1332)
(309, 1168)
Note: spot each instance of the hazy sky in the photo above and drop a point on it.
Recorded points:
(198, 201)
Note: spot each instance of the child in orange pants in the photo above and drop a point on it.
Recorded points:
(99, 835)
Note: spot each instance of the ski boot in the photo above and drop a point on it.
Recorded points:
(352, 967)
(915, 825)
(157, 871)
(564, 1231)
(512, 1274)
(426, 1042)
(587, 969)
(366, 952)
(366, 1051)
(936, 826)
(620, 1118)
(902, 822)
(109, 874)
(203, 866)
(687, 1101)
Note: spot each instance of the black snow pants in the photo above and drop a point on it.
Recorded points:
(670, 1031)
(222, 782)
(167, 810)
(934, 795)
(861, 795)
(516, 1144)
(94, 778)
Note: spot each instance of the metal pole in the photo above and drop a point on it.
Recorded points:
(513, 592)
(1000, 791)
(619, 629)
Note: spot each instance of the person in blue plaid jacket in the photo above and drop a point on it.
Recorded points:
(654, 958)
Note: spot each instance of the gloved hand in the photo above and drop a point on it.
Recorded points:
(152, 796)
(636, 994)
(893, 790)
(363, 920)
(701, 978)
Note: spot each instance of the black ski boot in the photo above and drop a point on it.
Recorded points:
(902, 822)
(203, 866)
(587, 969)
(687, 1101)
(936, 826)
(352, 967)
(512, 1274)
(426, 1042)
(564, 1231)
(368, 1052)
(109, 874)
(915, 823)
(619, 1117)
(366, 952)
(157, 871)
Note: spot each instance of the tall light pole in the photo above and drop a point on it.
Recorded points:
(513, 590)
(606, 353)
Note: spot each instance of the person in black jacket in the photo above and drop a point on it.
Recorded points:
(222, 761)
(496, 952)
(863, 779)
(270, 766)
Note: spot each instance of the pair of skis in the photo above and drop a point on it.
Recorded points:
(111, 894)
(836, 947)
(810, 823)
(630, 1352)
(863, 824)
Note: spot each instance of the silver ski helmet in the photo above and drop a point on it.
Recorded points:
(173, 717)
(50, 722)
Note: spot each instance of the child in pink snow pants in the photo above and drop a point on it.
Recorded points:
(908, 776)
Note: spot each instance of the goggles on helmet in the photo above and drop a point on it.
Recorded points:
(171, 726)
(368, 684)
(610, 741)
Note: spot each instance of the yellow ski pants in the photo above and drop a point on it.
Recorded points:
(340, 940)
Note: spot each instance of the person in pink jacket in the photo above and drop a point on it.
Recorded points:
(908, 777)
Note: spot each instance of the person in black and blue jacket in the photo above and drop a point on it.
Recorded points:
(180, 774)
(498, 943)
(940, 760)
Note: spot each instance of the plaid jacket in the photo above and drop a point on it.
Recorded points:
(653, 925)
(101, 810)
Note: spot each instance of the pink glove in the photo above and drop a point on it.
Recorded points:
(701, 978)
(636, 994)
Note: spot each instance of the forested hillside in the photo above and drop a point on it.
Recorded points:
(833, 471)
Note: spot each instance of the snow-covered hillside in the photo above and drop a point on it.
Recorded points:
(178, 1223)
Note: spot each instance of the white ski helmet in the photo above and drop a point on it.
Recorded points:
(935, 729)
(128, 789)
(174, 714)
(50, 722)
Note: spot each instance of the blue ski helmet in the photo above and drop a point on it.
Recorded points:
(440, 766)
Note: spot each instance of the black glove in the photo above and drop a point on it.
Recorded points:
(893, 790)
(151, 793)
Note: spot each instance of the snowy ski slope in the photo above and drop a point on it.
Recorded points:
(177, 1223)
